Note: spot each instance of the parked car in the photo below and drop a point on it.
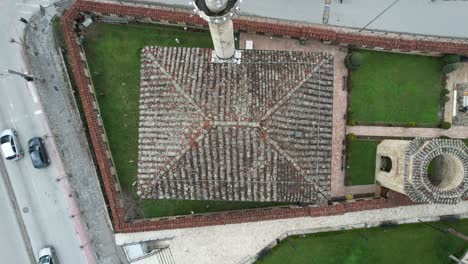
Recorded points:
(38, 153)
(47, 256)
(11, 148)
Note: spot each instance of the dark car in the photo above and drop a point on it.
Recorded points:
(38, 153)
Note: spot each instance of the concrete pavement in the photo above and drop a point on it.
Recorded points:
(459, 76)
(238, 243)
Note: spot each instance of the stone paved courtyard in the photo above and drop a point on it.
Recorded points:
(256, 131)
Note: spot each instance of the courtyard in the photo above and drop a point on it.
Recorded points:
(165, 225)
(113, 53)
(392, 88)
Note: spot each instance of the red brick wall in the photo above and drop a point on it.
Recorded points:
(99, 146)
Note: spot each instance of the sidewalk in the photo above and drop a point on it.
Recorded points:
(458, 76)
(94, 229)
(460, 132)
(236, 244)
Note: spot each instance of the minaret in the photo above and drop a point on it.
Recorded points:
(218, 14)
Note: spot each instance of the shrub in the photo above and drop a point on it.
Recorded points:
(350, 137)
(351, 122)
(451, 58)
(448, 68)
(353, 60)
(445, 91)
(446, 125)
(302, 42)
(410, 124)
(444, 137)
(445, 99)
(444, 81)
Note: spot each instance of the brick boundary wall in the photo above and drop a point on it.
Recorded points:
(102, 152)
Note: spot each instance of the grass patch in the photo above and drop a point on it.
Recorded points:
(412, 243)
(113, 54)
(361, 160)
(167, 207)
(396, 88)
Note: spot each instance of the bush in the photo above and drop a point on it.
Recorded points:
(448, 68)
(410, 124)
(445, 91)
(353, 60)
(350, 137)
(351, 122)
(445, 99)
(451, 58)
(444, 137)
(446, 125)
(466, 141)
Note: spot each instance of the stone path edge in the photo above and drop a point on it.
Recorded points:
(96, 130)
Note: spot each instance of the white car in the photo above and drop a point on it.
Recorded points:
(47, 256)
(11, 148)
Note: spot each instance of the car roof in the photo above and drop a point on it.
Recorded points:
(47, 251)
(36, 158)
(6, 132)
(7, 150)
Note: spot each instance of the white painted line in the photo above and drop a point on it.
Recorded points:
(38, 112)
(454, 113)
(32, 90)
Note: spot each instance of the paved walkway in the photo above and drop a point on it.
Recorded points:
(381, 131)
(360, 189)
(236, 244)
(460, 75)
(339, 95)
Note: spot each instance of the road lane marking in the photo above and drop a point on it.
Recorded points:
(31, 88)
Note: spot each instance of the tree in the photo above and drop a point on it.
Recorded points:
(351, 137)
(353, 60)
(448, 68)
(351, 122)
(451, 58)
(446, 125)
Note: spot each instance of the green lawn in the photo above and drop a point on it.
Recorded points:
(113, 54)
(413, 243)
(361, 160)
(184, 207)
(396, 88)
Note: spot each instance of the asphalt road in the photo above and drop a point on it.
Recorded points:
(42, 208)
